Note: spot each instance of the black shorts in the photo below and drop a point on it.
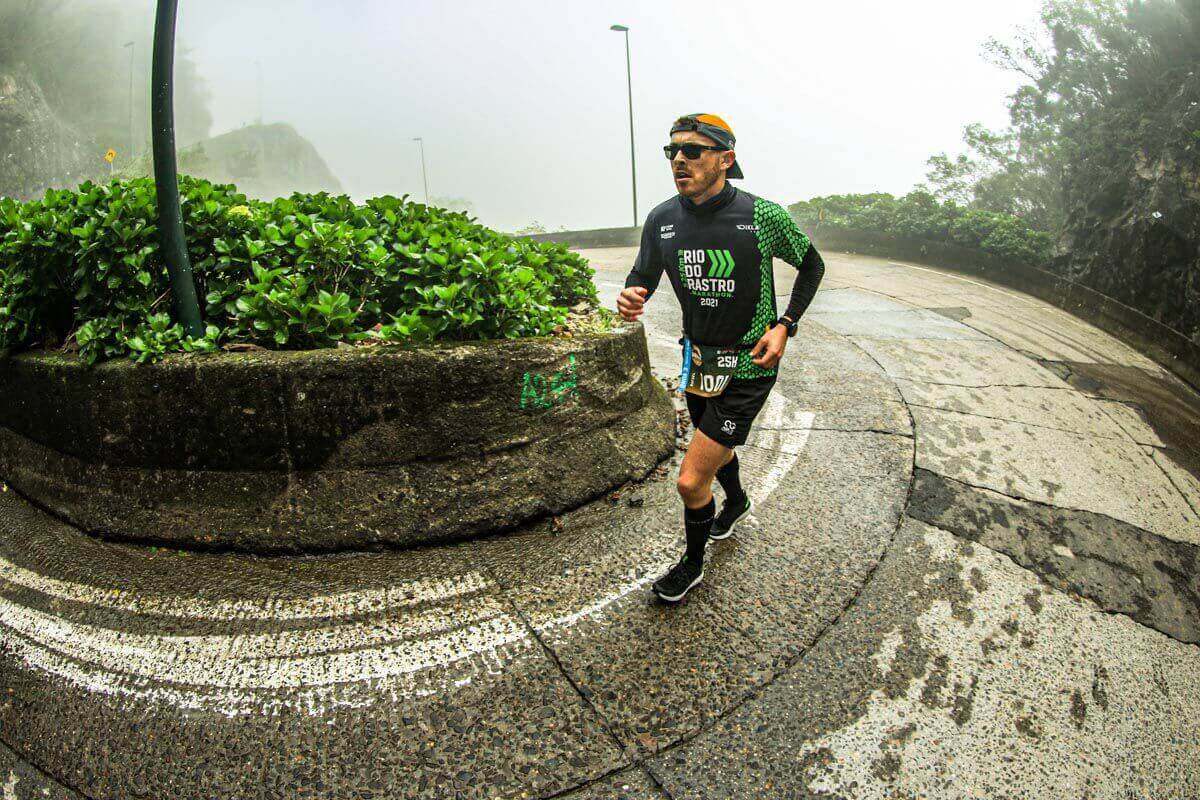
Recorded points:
(727, 417)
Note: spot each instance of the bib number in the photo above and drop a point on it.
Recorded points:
(706, 371)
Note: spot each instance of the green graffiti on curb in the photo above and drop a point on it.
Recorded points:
(546, 391)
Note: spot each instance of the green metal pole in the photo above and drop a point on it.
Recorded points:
(166, 177)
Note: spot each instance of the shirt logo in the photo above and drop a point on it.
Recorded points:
(747, 227)
(707, 274)
(720, 263)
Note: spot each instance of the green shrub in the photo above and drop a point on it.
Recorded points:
(307, 271)
(920, 215)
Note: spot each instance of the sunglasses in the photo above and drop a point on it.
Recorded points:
(690, 151)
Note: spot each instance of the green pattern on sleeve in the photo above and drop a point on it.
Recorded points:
(774, 229)
(795, 243)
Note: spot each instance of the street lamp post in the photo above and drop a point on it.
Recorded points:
(424, 177)
(632, 149)
(166, 177)
(132, 49)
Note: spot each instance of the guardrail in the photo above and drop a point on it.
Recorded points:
(601, 237)
(1163, 344)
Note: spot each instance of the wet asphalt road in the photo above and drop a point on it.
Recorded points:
(971, 572)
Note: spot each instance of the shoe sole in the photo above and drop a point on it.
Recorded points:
(729, 532)
(678, 597)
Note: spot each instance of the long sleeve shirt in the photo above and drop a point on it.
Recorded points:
(718, 257)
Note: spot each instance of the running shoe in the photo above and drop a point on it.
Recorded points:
(679, 580)
(723, 525)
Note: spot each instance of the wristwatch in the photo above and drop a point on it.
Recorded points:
(787, 323)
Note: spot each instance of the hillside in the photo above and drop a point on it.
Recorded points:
(265, 161)
(39, 149)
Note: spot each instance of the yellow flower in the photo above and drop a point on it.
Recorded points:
(243, 211)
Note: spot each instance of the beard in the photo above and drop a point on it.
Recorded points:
(698, 180)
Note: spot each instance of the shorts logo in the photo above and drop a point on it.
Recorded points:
(747, 227)
(729, 426)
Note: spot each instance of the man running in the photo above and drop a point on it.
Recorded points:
(717, 244)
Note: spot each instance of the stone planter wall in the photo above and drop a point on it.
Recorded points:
(321, 450)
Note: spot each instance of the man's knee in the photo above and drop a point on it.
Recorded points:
(692, 485)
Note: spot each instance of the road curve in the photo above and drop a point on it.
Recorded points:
(971, 573)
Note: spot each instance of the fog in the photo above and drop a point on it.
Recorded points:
(522, 105)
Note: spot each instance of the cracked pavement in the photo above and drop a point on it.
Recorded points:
(971, 573)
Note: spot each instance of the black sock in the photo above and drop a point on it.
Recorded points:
(731, 482)
(697, 522)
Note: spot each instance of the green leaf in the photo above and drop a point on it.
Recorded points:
(432, 273)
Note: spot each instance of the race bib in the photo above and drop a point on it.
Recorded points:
(707, 370)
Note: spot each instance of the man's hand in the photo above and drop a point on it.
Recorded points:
(769, 349)
(631, 302)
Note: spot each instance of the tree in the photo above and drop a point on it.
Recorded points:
(532, 228)
(1112, 99)
(1016, 171)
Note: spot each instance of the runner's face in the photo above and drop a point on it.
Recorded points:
(694, 178)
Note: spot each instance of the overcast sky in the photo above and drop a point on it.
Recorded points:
(522, 105)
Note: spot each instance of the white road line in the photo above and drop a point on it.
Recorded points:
(312, 700)
(213, 648)
(401, 595)
(788, 432)
(166, 659)
(646, 575)
(222, 672)
(790, 443)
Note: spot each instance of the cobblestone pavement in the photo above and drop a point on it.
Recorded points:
(971, 573)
